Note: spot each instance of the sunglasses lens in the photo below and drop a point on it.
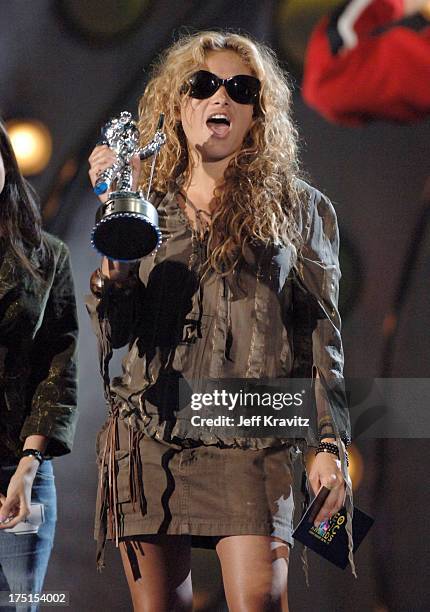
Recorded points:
(203, 84)
(243, 89)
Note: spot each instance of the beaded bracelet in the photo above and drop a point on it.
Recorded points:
(98, 282)
(345, 439)
(32, 452)
(328, 447)
(331, 448)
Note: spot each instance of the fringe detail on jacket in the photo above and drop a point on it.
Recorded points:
(349, 506)
(109, 518)
(108, 491)
(305, 504)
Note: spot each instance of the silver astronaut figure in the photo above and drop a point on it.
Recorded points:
(126, 226)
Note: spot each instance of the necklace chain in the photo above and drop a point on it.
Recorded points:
(202, 223)
(194, 207)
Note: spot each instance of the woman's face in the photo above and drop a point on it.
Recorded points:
(214, 142)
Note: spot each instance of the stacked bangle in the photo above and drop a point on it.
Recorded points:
(328, 447)
(32, 452)
(345, 439)
(98, 282)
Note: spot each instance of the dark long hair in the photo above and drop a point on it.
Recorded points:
(20, 218)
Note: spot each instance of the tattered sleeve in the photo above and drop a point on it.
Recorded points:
(317, 330)
(316, 294)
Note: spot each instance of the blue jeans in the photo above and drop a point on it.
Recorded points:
(24, 558)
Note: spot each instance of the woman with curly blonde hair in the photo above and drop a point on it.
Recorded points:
(244, 286)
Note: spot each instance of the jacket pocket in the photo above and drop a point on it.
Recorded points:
(121, 477)
(122, 463)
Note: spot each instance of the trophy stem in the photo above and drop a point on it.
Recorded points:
(151, 176)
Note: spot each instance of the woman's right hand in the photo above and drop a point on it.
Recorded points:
(101, 158)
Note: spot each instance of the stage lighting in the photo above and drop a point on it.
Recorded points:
(32, 143)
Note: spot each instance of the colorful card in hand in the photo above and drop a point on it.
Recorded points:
(330, 539)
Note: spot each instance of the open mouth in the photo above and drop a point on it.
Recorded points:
(219, 124)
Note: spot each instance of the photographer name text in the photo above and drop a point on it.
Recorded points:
(257, 420)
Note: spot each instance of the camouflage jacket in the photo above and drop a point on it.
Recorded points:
(38, 342)
(276, 320)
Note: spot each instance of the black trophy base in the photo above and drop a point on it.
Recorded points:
(124, 238)
(126, 228)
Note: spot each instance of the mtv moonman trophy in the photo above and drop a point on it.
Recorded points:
(126, 226)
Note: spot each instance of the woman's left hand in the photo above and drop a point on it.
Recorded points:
(15, 507)
(325, 471)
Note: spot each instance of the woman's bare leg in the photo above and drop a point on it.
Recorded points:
(158, 571)
(255, 571)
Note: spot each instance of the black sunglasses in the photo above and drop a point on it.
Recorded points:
(241, 88)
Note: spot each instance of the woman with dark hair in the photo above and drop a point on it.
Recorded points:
(38, 339)
(244, 286)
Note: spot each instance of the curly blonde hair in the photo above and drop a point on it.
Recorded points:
(259, 194)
